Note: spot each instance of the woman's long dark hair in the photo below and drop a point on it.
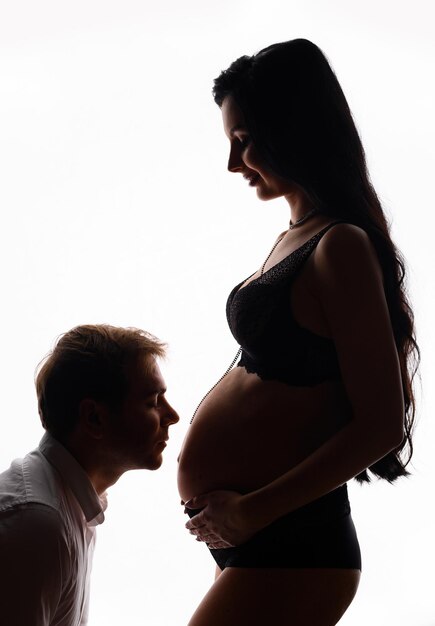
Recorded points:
(299, 120)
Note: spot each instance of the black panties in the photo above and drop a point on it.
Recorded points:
(319, 534)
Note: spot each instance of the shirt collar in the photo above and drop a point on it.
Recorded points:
(74, 475)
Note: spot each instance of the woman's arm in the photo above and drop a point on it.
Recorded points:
(350, 290)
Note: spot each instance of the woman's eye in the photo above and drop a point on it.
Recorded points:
(245, 142)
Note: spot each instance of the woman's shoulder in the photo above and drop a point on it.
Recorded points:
(346, 249)
(339, 232)
(342, 238)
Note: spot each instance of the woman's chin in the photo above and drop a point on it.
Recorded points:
(266, 194)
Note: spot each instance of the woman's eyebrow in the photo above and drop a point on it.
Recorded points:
(237, 127)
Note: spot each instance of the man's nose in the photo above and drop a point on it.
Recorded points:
(171, 416)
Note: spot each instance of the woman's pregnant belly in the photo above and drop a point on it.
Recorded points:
(247, 432)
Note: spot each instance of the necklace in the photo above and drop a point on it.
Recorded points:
(302, 219)
(271, 252)
(239, 351)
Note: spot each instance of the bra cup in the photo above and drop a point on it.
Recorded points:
(274, 345)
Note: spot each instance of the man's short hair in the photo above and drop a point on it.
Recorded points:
(89, 361)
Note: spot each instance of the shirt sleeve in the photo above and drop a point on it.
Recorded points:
(34, 565)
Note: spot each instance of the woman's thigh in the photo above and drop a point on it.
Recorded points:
(277, 597)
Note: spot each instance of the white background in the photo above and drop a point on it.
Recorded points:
(116, 207)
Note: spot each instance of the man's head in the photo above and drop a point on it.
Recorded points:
(103, 385)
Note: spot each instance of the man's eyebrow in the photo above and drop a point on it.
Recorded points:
(237, 127)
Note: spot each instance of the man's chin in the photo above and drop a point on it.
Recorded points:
(154, 463)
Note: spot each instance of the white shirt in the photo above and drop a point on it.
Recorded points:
(48, 514)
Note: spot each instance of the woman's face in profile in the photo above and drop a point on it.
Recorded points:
(245, 159)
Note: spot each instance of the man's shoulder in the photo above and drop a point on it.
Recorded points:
(34, 520)
(29, 482)
(31, 513)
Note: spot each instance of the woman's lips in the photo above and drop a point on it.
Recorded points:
(252, 180)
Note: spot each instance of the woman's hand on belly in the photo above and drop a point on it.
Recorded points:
(222, 523)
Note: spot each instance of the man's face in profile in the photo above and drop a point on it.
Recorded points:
(140, 429)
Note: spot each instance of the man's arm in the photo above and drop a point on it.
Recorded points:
(34, 564)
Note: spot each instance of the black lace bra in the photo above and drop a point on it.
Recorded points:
(273, 344)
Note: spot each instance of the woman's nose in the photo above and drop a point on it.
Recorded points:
(235, 162)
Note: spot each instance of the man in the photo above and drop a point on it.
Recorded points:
(101, 399)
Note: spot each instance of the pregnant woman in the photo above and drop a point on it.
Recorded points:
(323, 390)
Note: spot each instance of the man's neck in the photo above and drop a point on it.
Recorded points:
(101, 473)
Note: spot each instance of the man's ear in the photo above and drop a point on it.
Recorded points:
(92, 417)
